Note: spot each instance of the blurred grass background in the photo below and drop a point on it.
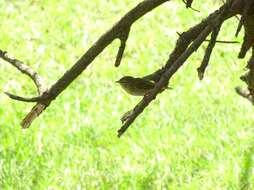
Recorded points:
(196, 136)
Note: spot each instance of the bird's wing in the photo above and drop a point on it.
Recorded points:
(146, 84)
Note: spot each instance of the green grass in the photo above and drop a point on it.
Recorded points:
(196, 136)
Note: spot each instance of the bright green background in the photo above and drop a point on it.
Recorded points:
(195, 136)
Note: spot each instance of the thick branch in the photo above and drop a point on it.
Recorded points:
(187, 43)
(164, 80)
(183, 42)
(124, 24)
(171, 67)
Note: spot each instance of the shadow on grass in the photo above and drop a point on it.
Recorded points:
(246, 174)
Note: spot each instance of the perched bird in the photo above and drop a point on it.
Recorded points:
(136, 86)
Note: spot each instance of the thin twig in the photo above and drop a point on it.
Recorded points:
(26, 70)
(123, 38)
(209, 49)
(188, 5)
(40, 98)
(224, 42)
(239, 27)
(217, 41)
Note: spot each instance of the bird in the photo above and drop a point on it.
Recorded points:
(136, 86)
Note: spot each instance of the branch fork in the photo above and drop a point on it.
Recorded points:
(187, 43)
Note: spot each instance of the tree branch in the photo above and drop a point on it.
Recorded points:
(119, 30)
(163, 81)
(186, 45)
(40, 98)
(180, 55)
(209, 49)
(26, 70)
(186, 38)
(123, 39)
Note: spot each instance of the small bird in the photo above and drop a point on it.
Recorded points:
(136, 86)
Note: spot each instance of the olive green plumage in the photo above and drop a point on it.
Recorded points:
(136, 86)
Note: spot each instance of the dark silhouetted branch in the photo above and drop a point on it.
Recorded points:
(123, 39)
(209, 49)
(187, 43)
(119, 30)
(183, 50)
(163, 81)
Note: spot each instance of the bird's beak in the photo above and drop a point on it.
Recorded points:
(118, 81)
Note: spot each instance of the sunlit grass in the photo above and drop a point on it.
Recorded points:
(192, 137)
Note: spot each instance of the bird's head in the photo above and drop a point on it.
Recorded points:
(125, 79)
